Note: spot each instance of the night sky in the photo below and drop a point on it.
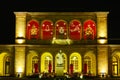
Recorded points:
(7, 18)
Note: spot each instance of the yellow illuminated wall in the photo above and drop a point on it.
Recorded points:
(102, 26)
(20, 60)
(20, 25)
(102, 60)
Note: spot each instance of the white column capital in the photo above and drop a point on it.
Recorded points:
(20, 14)
(102, 14)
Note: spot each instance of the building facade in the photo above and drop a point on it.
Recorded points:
(46, 40)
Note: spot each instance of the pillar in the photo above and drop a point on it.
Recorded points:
(102, 58)
(20, 61)
(102, 27)
(20, 27)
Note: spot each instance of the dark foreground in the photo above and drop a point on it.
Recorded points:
(59, 78)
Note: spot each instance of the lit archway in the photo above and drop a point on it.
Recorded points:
(31, 62)
(46, 62)
(89, 63)
(115, 63)
(5, 68)
(76, 61)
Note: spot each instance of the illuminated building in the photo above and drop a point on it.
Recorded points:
(81, 38)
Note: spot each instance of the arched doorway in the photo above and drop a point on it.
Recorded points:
(35, 64)
(46, 62)
(6, 65)
(89, 63)
(116, 63)
(76, 61)
(32, 65)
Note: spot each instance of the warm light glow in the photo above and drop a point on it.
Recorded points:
(19, 69)
(102, 41)
(81, 76)
(103, 71)
(20, 41)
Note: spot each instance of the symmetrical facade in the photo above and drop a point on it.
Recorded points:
(42, 37)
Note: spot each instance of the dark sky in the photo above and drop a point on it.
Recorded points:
(7, 27)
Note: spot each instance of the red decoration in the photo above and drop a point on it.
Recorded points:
(36, 67)
(89, 30)
(50, 67)
(47, 30)
(75, 30)
(32, 29)
(85, 68)
(71, 68)
(61, 29)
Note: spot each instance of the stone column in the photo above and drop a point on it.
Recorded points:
(20, 26)
(102, 58)
(20, 61)
(102, 26)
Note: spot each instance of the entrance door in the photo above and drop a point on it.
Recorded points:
(7, 66)
(35, 65)
(85, 68)
(114, 68)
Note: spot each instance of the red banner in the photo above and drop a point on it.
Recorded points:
(61, 29)
(85, 68)
(71, 68)
(36, 67)
(89, 30)
(50, 67)
(75, 30)
(32, 30)
(47, 30)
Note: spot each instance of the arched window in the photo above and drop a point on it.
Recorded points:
(61, 29)
(75, 30)
(74, 61)
(75, 64)
(89, 30)
(47, 30)
(32, 29)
